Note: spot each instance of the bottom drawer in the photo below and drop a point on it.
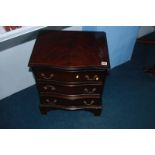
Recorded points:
(49, 100)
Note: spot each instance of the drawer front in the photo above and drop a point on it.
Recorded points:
(69, 89)
(49, 100)
(62, 76)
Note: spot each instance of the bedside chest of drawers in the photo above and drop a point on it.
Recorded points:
(70, 68)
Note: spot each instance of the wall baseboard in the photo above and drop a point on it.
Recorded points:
(18, 32)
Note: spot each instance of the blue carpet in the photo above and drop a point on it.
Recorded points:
(129, 101)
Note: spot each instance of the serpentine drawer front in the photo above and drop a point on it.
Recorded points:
(70, 68)
(57, 101)
(70, 76)
(49, 87)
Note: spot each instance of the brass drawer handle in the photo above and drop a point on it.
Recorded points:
(46, 87)
(95, 77)
(86, 90)
(51, 102)
(89, 103)
(47, 77)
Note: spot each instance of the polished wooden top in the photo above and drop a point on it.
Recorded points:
(70, 49)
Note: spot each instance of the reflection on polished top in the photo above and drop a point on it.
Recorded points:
(72, 49)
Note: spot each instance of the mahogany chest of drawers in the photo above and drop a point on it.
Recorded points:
(70, 68)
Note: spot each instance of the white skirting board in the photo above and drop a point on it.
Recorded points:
(18, 32)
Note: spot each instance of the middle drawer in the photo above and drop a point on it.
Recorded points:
(49, 87)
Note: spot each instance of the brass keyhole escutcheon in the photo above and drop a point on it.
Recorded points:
(96, 77)
(77, 76)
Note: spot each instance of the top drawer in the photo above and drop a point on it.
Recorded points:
(70, 76)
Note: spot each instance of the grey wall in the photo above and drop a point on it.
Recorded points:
(14, 72)
(145, 30)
